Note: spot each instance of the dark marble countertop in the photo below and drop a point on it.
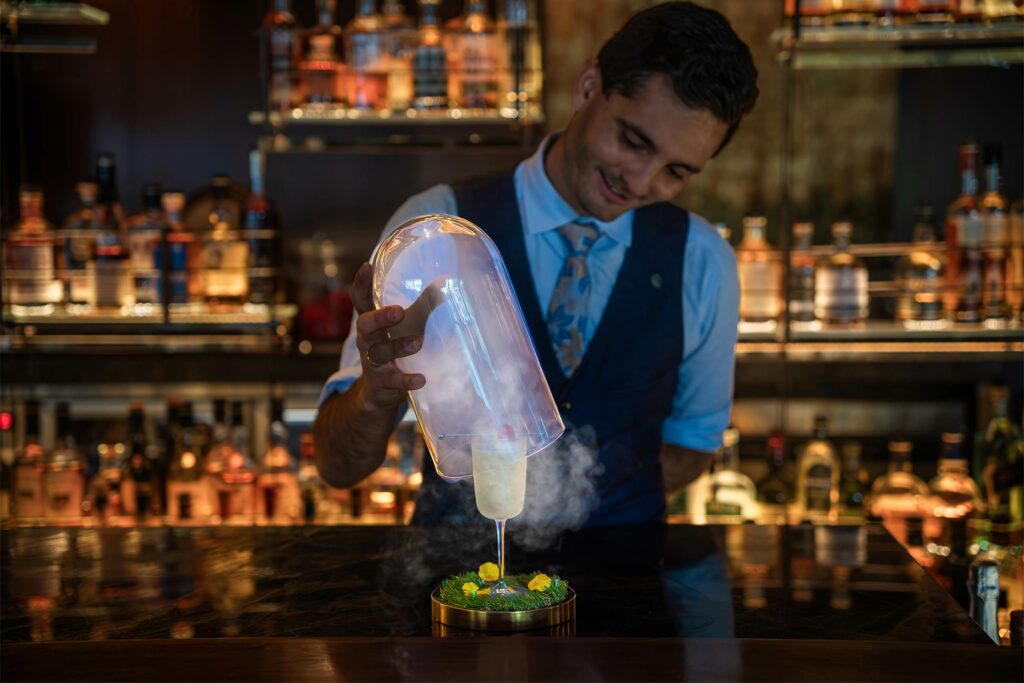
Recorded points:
(746, 581)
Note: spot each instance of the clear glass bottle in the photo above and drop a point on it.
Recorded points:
(473, 58)
(64, 473)
(801, 275)
(399, 43)
(841, 282)
(921, 276)
(899, 495)
(760, 273)
(140, 483)
(817, 484)
(278, 499)
(995, 238)
(521, 73)
(28, 502)
(311, 488)
(32, 287)
(79, 249)
(730, 492)
(188, 491)
(278, 41)
(144, 233)
(954, 494)
(236, 483)
(261, 229)
(964, 230)
(225, 256)
(181, 265)
(429, 61)
(773, 492)
(854, 481)
(367, 59)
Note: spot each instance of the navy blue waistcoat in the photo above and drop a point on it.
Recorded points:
(623, 388)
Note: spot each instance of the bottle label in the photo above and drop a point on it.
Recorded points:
(818, 488)
(841, 293)
(760, 296)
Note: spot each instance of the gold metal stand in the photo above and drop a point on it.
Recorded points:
(557, 619)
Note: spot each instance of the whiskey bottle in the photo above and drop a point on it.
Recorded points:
(730, 492)
(225, 256)
(110, 212)
(141, 485)
(429, 62)
(144, 234)
(921, 276)
(841, 282)
(995, 236)
(760, 274)
(30, 277)
(178, 270)
(64, 473)
(399, 42)
(473, 58)
(278, 498)
(520, 68)
(954, 494)
(188, 491)
(235, 487)
(367, 59)
(964, 231)
(817, 484)
(899, 498)
(277, 36)
(801, 273)
(79, 249)
(28, 501)
(261, 232)
(321, 67)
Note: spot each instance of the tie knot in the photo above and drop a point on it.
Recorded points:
(580, 236)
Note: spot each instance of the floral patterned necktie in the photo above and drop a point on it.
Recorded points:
(570, 302)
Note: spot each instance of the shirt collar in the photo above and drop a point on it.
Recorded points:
(544, 209)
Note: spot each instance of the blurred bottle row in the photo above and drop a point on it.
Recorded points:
(391, 64)
(103, 261)
(976, 276)
(192, 473)
(902, 12)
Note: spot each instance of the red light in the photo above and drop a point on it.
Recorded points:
(6, 421)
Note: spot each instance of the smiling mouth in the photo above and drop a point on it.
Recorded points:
(611, 191)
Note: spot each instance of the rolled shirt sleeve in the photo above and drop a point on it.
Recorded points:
(437, 199)
(702, 403)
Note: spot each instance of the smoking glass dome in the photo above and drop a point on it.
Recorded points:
(484, 384)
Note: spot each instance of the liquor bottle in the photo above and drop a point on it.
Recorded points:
(773, 492)
(964, 231)
(366, 57)
(899, 498)
(399, 41)
(429, 61)
(473, 58)
(30, 278)
(994, 237)
(520, 68)
(998, 461)
(311, 488)
(760, 273)
(179, 268)
(1015, 266)
(817, 484)
(730, 492)
(277, 37)
(954, 494)
(141, 483)
(105, 497)
(921, 276)
(225, 256)
(841, 282)
(278, 499)
(235, 487)
(28, 501)
(801, 274)
(188, 491)
(80, 247)
(109, 211)
(854, 480)
(144, 233)
(64, 473)
(261, 229)
(114, 289)
(321, 67)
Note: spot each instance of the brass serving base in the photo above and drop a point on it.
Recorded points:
(557, 619)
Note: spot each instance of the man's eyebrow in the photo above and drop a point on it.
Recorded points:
(646, 141)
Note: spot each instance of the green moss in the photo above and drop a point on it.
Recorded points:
(451, 593)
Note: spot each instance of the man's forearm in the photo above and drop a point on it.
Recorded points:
(680, 466)
(351, 437)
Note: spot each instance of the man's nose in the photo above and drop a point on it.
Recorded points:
(639, 180)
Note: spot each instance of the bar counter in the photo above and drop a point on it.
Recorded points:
(673, 602)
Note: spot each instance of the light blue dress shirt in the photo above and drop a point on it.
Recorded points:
(703, 399)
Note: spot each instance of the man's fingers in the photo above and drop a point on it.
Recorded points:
(362, 289)
(370, 323)
(383, 352)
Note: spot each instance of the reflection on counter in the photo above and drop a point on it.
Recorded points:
(744, 581)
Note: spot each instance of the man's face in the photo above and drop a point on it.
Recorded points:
(625, 152)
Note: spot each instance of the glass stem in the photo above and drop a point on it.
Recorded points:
(500, 524)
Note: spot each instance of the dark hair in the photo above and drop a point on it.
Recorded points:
(710, 67)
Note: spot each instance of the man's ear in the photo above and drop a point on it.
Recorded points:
(587, 85)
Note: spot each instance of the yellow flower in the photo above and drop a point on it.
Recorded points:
(470, 589)
(541, 582)
(488, 571)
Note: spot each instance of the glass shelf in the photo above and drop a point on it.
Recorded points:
(341, 116)
(901, 47)
(49, 46)
(184, 318)
(55, 13)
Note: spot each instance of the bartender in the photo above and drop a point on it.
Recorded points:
(632, 302)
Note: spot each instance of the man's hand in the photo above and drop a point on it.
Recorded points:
(383, 385)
